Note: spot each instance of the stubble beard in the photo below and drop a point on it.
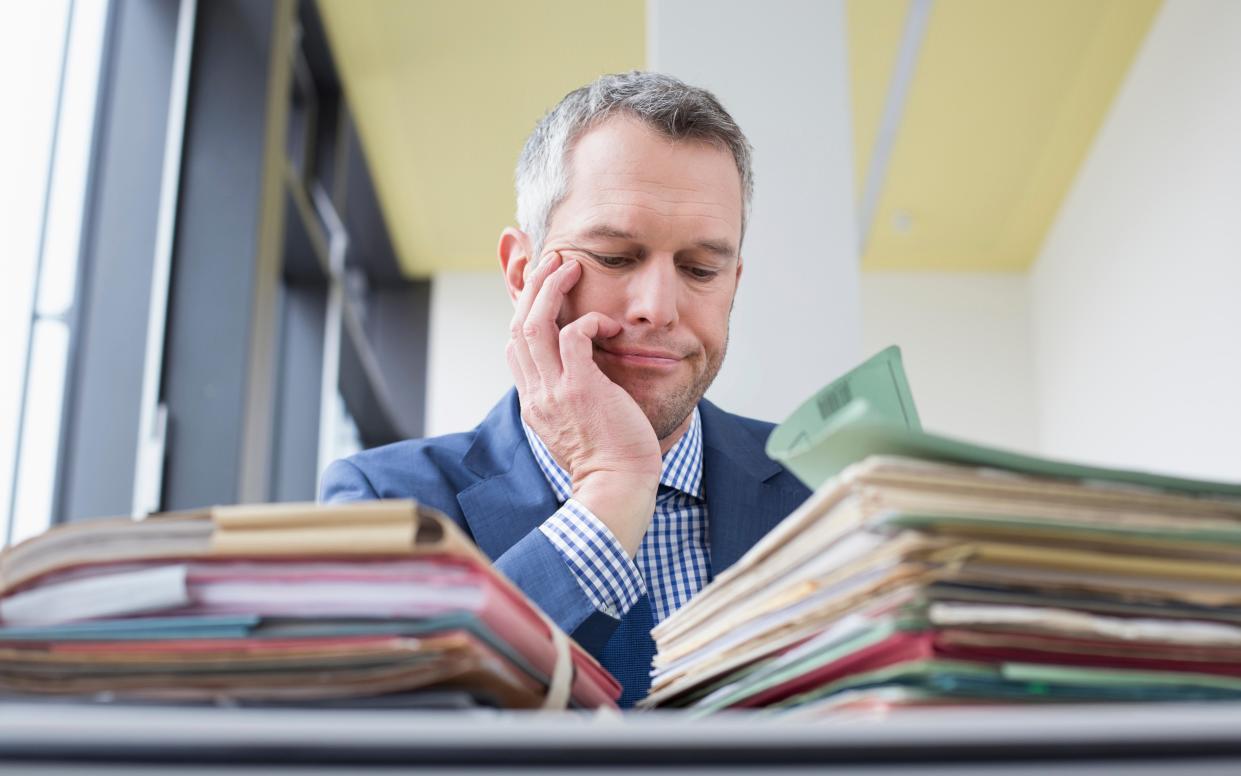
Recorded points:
(667, 411)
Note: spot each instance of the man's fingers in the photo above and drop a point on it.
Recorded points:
(577, 343)
(525, 374)
(534, 281)
(539, 330)
(519, 364)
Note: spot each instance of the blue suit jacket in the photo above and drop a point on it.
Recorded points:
(488, 481)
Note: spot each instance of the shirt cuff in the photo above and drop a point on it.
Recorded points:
(606, 574)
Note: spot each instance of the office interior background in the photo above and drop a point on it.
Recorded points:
(242, 238)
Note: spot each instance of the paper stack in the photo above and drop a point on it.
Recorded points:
(964, 575)
(370, 604)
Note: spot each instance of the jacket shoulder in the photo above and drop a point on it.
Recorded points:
(760, 430)
(430, 471)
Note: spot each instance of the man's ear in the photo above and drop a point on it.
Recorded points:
(514, 252)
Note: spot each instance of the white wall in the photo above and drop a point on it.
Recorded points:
(1137, 292)
(780, 68)
(966, 343)
(466, 371)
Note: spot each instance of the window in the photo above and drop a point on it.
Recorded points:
(50, 70)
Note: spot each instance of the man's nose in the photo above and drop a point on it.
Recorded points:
(653, 293)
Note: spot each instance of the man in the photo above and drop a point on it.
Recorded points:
(604, 485)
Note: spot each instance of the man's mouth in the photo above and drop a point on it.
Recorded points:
(642, 357)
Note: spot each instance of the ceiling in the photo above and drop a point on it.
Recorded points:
(1001, 108)
(444, 93)
(986, 127)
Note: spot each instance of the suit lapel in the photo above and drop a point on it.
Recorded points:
(512, 496)
(743, 504)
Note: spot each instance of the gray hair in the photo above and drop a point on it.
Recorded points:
(666, 104)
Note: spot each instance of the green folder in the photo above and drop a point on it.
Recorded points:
(227, 626)
(870, 411)
(949, 679)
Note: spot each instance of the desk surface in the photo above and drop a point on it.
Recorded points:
(1158, 738)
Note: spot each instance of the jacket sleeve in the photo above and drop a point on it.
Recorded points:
(537, 567)
(344, 481)
(533, 564)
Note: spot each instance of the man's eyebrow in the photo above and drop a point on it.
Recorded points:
(609, 232)
(721, 248)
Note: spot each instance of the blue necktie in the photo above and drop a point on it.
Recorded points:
(628, 654)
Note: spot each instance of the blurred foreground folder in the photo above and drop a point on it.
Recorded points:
(373, 604)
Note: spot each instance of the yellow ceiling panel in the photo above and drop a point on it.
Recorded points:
(874, 33)
(1005, 100)
(444, 93)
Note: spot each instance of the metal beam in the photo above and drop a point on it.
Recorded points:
(153, 415)
(104, 383)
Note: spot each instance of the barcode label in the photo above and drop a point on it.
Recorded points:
(834, 398)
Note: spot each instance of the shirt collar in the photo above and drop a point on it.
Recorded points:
(682, 465)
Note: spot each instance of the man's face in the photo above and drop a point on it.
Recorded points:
(656, 226)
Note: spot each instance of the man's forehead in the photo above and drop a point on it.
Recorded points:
(622, 148)
(629, 183)
(616, 157)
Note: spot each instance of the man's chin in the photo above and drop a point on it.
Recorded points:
(665, 401)
(668, 411)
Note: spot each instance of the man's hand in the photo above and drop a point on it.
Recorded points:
(594, 429)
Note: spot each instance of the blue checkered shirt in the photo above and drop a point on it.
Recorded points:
(672, 564)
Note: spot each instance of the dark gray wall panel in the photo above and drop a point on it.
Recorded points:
(396, 322)
(218, 369)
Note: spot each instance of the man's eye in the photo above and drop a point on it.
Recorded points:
(614, 262)
(699, 273)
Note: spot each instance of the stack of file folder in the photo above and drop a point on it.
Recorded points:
(377, 604)
(930, 572)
